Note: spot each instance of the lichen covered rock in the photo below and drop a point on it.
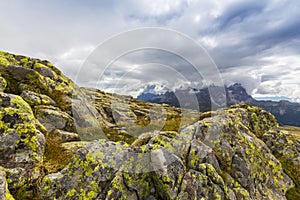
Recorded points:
(3, 84)
(65, 136)
(204, 184)
(233, 137)
(35, 99)
(21, 141)
(53, 118)
(219, 157)
(87, 176)
(4, 192)
(39, 76)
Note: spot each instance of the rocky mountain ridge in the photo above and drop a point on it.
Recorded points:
(60, 141)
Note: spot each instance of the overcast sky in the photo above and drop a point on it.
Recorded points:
(256, 43)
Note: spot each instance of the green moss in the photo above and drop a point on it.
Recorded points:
(32, 142)
(109, 193)
(56, 157)
(195, 158)
(8, 196)
(21, 105)
(293, 194)
(35, 80)
(20, 193)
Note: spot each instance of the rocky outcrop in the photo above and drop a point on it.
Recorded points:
(53, 118)
(21, 142)
(59, 141)
(31, 90)
(35, 99)
(220, 157)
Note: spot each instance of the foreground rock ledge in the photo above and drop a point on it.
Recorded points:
(220, 157)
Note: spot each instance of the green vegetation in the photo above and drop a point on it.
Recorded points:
(56, 157)
(290, 169)
(294, 173)
(294, 131)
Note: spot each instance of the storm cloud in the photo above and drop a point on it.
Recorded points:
(256, 43)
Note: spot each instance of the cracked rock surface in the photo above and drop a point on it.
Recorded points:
(220, 157)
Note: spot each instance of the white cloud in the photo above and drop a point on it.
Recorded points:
(209, 41)
(255, 43)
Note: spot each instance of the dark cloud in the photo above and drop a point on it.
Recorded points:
(238, 12)
(256, 43)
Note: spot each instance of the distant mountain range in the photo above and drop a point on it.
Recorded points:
(287, 113)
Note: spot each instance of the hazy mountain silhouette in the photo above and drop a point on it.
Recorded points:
(287, 113)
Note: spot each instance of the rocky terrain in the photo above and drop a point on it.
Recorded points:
(60, 141)
(286, 113)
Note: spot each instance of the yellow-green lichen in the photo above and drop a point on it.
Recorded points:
(3, 61)
(71, 193)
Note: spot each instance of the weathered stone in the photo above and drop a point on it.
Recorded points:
(55, 119)
(203, 184)
(281, 145)
(201, 153)
(73, 147)
(232, 136)
(21, 142)
(88, 174)
(44, 70)
(34, 99)
(3, 84)
(65, 136)
(38, 76)
(4, 192)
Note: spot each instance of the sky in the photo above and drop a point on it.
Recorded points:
(255, 43)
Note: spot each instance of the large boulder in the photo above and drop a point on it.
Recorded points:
(87, 176)
(205, 183)
(39, 76)
(36, 99)
(21, 142)
(233, 136)
(53, 118)
(65, 136)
